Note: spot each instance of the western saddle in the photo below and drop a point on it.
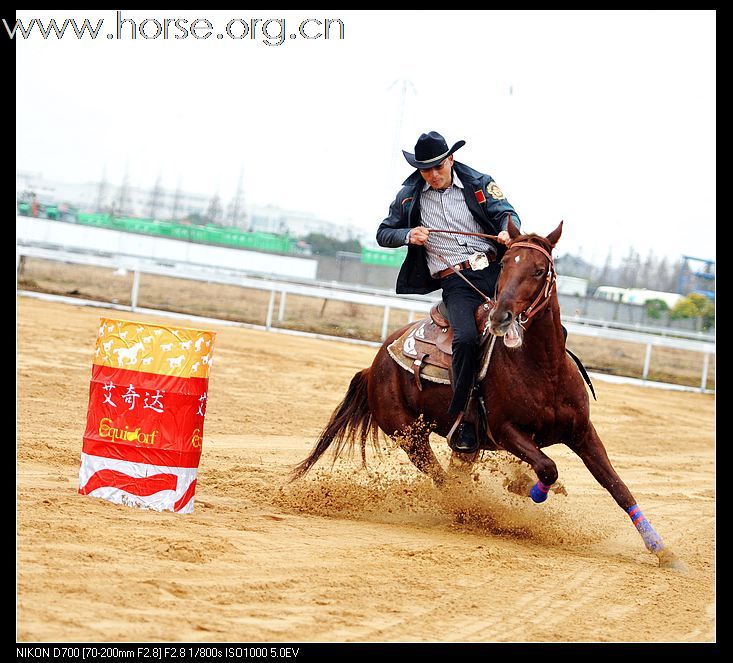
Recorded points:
(429, 341)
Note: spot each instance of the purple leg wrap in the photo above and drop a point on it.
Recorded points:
(539, 492)
(652, 540)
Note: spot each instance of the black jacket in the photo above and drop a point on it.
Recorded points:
(485, 200)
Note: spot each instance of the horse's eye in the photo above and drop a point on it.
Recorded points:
(539, 272)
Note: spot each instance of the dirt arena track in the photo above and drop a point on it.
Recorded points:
(347, 554)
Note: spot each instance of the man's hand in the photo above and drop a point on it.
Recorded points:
(503, 237)
(419, 235)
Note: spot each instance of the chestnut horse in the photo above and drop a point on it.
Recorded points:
(534, 394)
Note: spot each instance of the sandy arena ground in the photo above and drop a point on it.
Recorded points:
(349, 555)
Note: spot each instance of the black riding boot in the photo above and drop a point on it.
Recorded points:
(467, 431)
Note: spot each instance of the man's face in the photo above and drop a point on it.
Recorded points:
(439, 177)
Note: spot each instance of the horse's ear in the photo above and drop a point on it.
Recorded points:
(512, 229)
(554, 236)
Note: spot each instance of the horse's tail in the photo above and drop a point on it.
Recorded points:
(350, 419)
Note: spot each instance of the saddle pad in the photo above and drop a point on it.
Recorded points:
(429, 372)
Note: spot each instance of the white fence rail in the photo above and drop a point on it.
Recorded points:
(36, 232)
(340, 292)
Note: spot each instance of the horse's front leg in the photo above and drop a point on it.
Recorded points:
(593, 454)
(523, 447)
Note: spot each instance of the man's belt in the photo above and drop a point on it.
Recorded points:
(461, 266)
(448, 271)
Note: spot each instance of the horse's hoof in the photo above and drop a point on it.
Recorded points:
(668, 560)
(539, 492)
(440, 482)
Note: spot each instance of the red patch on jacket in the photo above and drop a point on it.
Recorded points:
(480, 197)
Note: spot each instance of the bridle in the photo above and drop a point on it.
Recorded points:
(543, 296)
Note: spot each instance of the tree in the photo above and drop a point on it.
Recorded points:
(673, 275)
(607, 271)
(655, 307)
(214, 212)
(662, 276)
(196, 219)
(695, 306)
(328, 246)
(630, 269)
(647, 271)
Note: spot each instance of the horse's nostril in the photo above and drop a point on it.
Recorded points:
(499, 319)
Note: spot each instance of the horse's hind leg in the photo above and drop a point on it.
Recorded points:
(393, 412)
(420, 453)
(593, 454)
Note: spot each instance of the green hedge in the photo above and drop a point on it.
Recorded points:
(209, 234)
(386, 258)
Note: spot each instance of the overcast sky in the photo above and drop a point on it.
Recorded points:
(603, 119)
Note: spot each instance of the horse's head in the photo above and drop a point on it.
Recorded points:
(525, 284)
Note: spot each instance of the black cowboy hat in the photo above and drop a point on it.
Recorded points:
(430, 150)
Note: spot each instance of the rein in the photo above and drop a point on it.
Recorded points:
(540, 301)
(461, 232)
(536, 306)
(543, 296)
(486, 298)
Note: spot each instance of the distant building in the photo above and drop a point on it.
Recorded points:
(642, 296)
(610, 292)
(105, 197)
(272, 219)
(126, 200)
(572, 285)
(635, 295)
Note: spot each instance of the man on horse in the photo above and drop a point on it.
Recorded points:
(443, 194)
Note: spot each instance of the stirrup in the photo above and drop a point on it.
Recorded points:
(454, 428)
(457, 437)
(476, 413)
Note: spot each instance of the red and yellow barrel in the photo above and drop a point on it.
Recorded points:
(145, 421)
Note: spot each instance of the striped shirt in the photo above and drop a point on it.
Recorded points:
(447, 210)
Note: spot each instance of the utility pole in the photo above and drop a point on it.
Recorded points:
(124, 192)
(176, 200)
(405, 86)
(213, 213)
(154, 198)
(102, 191)
(237, 216)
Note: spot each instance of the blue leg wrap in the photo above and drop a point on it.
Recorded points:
(539, 492)
(652, 540)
